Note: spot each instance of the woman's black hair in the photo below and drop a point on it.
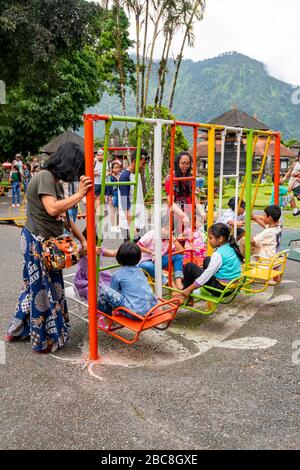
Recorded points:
(67, 163)
(179, 174)
(221, 230)
(128, 254)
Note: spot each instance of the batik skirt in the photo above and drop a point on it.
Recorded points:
(41, 312)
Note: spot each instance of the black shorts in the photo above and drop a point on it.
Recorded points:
(296, 191)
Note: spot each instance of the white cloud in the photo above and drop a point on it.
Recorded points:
(267, 30)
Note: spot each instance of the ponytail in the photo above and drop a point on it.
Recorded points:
(235, 247)
(221, 230)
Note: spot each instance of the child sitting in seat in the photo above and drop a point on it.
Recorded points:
(128, 287)
(81, 276)
(218, 270)
(195, 245)
(147, 246)
(266, 243)
(228, 217)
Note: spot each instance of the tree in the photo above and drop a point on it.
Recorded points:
(181, 142)
(191, 11)
(54, 67)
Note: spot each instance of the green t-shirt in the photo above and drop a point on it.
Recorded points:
(38, 220)
(15, 176)
(282, 192)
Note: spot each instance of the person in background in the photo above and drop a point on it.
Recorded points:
(113, 195)
(15, 179)
(126, 198)
(284, 197)
(18, 161)
(34, 163)
(26, 176)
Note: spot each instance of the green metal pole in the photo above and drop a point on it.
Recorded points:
(102, 196)
(248, 197)
(136, 179)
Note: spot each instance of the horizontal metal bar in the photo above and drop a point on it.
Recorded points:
(184, 178)
(120, 183)
(231, 176)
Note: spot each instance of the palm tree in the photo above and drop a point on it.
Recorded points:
(191, 11)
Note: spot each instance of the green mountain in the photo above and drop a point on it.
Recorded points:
(210, 87)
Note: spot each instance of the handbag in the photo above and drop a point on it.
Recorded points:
(59, 253)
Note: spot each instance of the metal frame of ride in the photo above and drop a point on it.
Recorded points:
(252, 136)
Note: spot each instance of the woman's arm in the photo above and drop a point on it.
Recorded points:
(176, 209)
(55, 207)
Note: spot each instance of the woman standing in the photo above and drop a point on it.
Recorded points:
(41, 311)
(182, 203)
(15, 178)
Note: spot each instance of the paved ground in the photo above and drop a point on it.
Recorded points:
(226, 382)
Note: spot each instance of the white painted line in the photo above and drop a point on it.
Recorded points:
(249, 342)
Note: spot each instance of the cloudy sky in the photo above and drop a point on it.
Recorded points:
(266, 30)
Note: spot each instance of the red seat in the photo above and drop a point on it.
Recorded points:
(155, 317)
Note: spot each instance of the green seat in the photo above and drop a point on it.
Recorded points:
(224, 296)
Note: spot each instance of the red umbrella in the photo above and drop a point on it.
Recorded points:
(6, 165)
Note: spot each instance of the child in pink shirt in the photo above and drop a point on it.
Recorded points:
(147, 246)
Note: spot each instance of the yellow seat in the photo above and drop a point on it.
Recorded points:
(263, 271)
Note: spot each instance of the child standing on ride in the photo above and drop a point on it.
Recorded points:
(218, 270)
(147, 246)
(129, 287)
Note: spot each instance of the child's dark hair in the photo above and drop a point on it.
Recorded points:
(231, 203)
(114, 164)
(128, 254)
(273, 211)
(143, 155)
(273, 177)
(221, 230)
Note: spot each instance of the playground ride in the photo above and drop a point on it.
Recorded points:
(265, 272)
(156, 317)
(231, 291)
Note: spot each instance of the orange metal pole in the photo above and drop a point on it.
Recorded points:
(172, 157)
(277, 168)
(91, 237)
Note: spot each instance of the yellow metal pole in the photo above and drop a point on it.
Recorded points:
(210, 182)
(261, 170)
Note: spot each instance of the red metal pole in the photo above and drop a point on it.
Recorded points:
(193, 224)
(91, 237)
(277, 168)
(172, 157)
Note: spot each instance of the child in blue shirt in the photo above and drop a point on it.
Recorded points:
(129, 287)
(218, 270)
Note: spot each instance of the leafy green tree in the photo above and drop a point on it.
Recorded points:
(181, 142)
(57, 60)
